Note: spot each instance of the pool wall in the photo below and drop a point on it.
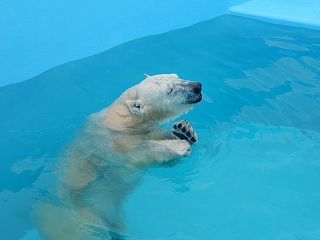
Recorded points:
(37, 35)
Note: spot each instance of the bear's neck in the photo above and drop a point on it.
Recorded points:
(124, 120)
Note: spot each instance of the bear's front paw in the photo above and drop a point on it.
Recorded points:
(183, 130)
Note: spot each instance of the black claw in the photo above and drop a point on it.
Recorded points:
(188, 134)
(183, 129)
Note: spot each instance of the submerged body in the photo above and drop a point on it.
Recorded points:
(105, 161)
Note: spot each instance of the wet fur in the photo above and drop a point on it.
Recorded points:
(106, 160)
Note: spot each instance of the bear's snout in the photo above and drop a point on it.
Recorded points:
(196, 87)
(194, 95)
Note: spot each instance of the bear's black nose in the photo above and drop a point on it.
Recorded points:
(196, 87)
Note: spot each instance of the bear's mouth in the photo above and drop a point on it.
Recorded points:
(195, 99)
(198, 99)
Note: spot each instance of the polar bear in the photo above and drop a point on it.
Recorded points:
(107, 158)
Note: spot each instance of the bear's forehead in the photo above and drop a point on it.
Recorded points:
(163, 79)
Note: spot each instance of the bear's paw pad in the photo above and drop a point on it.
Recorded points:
(183, 130)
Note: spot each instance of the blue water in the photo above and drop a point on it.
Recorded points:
(255, 173)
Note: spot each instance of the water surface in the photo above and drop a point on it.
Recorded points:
(255, 173)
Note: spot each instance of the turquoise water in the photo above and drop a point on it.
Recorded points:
(255, 173)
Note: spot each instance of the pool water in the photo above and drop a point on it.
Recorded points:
(255, 173)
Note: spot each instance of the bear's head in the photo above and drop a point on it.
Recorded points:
(156, 99)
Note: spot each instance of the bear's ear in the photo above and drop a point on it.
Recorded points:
(146, 75)
(123, 111)
(135, 107)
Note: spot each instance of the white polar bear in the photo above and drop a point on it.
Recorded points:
(102, 165)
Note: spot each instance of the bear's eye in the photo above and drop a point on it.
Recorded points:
(170, 90)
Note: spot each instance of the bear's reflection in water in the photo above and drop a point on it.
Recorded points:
(106, 160)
